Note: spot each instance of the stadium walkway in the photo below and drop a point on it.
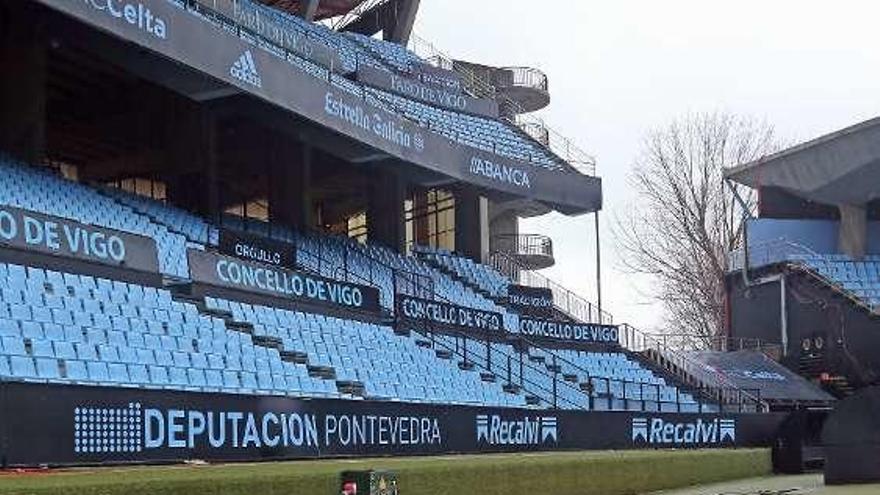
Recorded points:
(808, 484)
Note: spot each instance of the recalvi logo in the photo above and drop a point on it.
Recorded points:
(699, 432)
(495, 430)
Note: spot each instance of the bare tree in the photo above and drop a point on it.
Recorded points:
(685, 221)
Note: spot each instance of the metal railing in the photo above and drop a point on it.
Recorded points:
(565, 300)
(689, 370)
(523, 77)
(481, 87)
(767, 253)
(523, 244)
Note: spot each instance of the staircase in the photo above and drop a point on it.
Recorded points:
(654, 354)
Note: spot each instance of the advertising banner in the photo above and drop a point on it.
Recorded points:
(182, 36)
(274, 281)
(565, 331)
(531, 301)
(445, 315)
(54, 424)
(416, 90)
(257, 248)
(46, 234)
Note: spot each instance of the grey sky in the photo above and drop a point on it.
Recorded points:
(619, 68)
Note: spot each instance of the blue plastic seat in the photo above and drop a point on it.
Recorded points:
(98, 371)
(23, 367)
(138, 374)
(158, 375)
(118, 373)
(47, 368)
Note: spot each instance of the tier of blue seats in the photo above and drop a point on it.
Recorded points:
(43, 191)
(493, 136)
(619, 383)
(390, 367)
(861, 278)
(489, 135)
(476, 274)
(193, 227)
(340, 257)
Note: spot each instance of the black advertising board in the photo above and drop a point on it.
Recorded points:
(257, 248)
(46, 234)
(56, 424)
(445, 315)
(273, 281)
(416, 90)
(167, 29)
(565, 331)
(531, 301)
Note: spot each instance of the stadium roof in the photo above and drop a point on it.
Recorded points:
(839, 168)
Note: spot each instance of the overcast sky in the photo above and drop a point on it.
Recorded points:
(619, 68)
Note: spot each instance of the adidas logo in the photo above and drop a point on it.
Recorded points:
(494, 430)
(245, 70)
(660, 431)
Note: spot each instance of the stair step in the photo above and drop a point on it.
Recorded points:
(240, 326)
(323, 372)
(554, 368)
(427, 344)
(443, 353)
(488, 377)
(511, 388)
(295, 357)
(537, 359)
(351, 387)
(570, 378)
(466, 365)
(268, 341)
(533, 400)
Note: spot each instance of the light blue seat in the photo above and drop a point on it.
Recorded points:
(158, 375)
(23, 367)
(118, 373)
(13, 346)
(42, 348)
(138, 374)
(177, 377)
(86, 352)
(47, 368)
(98, 371)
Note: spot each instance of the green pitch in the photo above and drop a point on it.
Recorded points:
(586, 473)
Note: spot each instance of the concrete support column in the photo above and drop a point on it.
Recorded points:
(385, 215)
(308, 9)
(290, 201)
(23, 55)
(194, 140)
(471, 225)
(853, 235)
(503, 229)
(402, 22)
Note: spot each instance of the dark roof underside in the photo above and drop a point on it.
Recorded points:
(840, 168)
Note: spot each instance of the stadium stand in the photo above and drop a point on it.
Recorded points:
(34, 189)
(290, 267)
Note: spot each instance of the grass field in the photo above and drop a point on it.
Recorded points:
(584, 473)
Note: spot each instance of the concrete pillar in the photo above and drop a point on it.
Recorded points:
(308, 9)
(471, 225)
(503, 229)
(290, 201)
(385, 216)
(402, 22)
(853, 235)
(23, 54)
(195, 141)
